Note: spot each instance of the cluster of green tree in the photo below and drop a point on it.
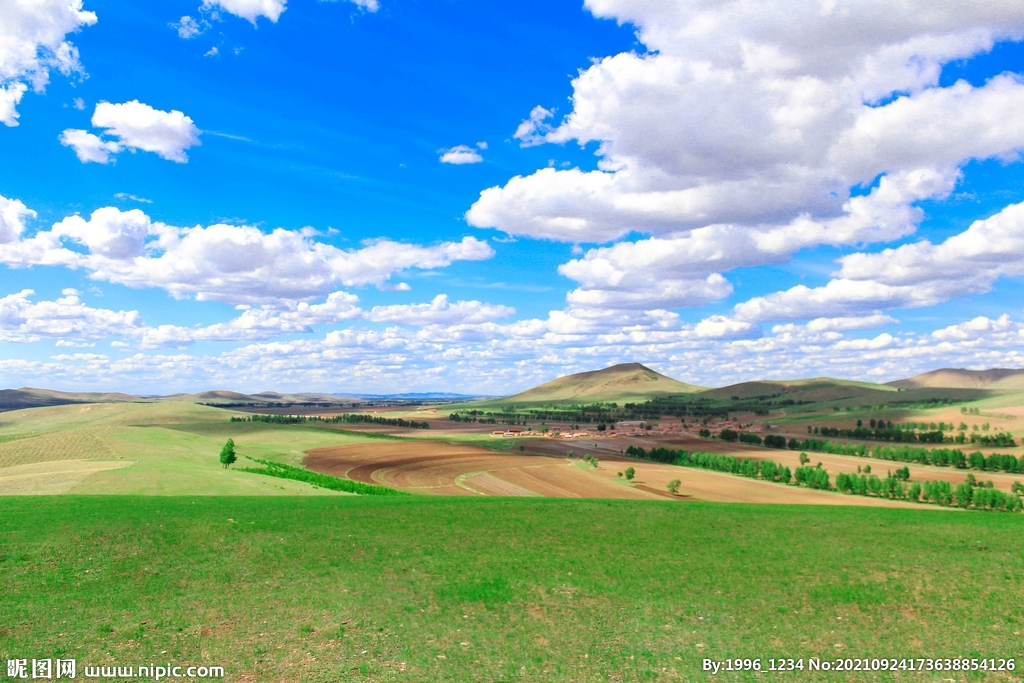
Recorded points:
(324, 481)
(676, 406)
(833, 447)
(354, 418)
(940, 457)
(274, 419)
(744, 467)
(882, 432)
(346, 418)
(893, 487)
(922, 426)
(457, 417)
(1001, 440)
(812, 477)
(896, 486)
(949, 457)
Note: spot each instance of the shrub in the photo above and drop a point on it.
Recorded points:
(673, 486)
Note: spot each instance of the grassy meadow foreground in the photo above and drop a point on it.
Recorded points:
(505, 589)
(556, 535)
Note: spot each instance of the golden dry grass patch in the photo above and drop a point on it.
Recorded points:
(48, 478)
(73, 444)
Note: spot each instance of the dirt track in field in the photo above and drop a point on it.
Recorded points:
(440, 468)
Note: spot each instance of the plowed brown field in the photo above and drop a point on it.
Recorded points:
(452, 469)
(458, 470)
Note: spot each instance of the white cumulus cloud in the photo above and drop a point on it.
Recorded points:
(133, 126)
(232, 263)
(32, 43)
(89, 147)
(440, 312)
(911, 276)
(249, 9)
(461, 154)
(739, 138)
(22, 320)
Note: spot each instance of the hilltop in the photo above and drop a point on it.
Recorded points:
(996, 379)
(624, 382)
(27, 397)
(814, 389)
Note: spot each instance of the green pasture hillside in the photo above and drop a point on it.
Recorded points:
(434, 589)
(1000, 380)
(619, 383)
(170, 448)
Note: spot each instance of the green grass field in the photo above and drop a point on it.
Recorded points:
(171, 447)
(419, 589)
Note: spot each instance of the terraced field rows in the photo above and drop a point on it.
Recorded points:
(77, 444)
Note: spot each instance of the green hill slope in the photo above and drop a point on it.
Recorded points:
(620, 383)
(815, 389)
(996, 379)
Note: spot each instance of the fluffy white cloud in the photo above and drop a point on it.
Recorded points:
(910, 276)
(89, 147)
(979, 329)
(754, 123)
(133, 125)
(252, 10)
(12, 219)
(249, 9)
(188, 27)
(461, 154)
(532, 131)
(440, 312)
(820, 325)
(140, 126)
(255, 324)
(21, 320)
(32, 42)
(684, 269)
(230, 263)
(722, 327)
(500, 358)
(109, 232)
(259, 323)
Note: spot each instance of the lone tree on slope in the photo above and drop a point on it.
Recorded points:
(227, 453)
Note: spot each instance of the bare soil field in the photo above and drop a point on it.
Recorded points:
(454, 469)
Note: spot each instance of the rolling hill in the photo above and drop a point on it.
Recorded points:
(625, 382)
(815, 389)
(996, 379)
(27, 397)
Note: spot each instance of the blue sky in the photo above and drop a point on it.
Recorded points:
(254, 194)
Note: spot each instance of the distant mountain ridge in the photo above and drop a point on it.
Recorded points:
(996, 379)
(620, 383)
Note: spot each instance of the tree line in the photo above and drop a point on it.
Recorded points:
(895, 486)
(324, 481)
(346, 418)
(940, 457)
